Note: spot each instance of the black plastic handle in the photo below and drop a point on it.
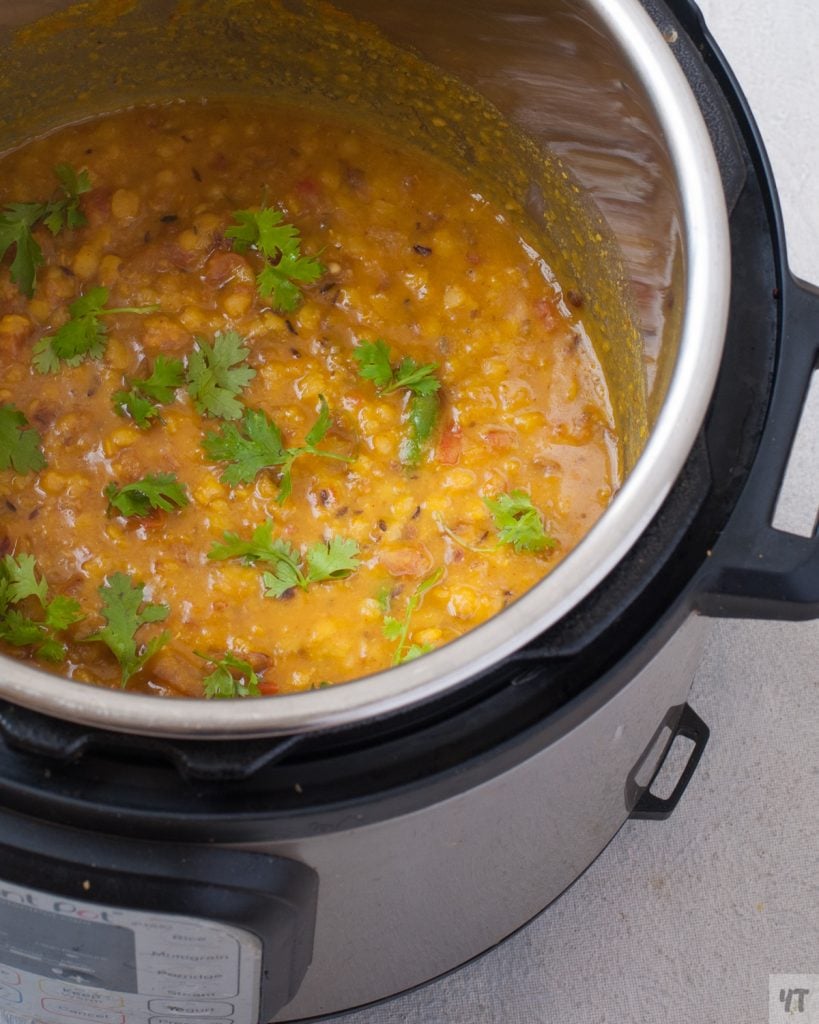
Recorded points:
(654, 808)
(757, 571)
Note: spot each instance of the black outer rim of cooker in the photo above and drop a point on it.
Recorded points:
(260, 789)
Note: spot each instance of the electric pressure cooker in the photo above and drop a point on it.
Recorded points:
(148, 877)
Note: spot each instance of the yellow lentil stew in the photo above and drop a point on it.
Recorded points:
(282, 403)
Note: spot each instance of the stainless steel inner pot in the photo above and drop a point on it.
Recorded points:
(586, 86)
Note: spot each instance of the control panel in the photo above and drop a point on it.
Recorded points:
(76, 962)
(102, 930)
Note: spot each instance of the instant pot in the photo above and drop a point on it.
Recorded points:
(279, 860)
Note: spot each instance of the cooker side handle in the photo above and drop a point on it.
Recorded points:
(756, 571)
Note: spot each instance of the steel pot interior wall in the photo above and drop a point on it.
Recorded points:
(114, 54)
(572, 114)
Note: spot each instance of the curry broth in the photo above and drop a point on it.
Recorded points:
(412, 256)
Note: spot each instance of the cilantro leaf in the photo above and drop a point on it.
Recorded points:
(63, 612)
(280, 246)
(415, 651)
(18, 220)
(398, 629)
(143, 399)
(22, 582)
(257, 444)
(16, 223)
(20, 445)
(262, 547)
(373, 358)
(158, 491)
(215, 377)
(231, 677)
(519, 523)
(121, 604)
(166, 377)
(285, 576)
(135, 406)
(18, 582)
(249, 449)
(83, 335)
(334, 559)
(66, 212)
(20, 631)
(263, 230)
(393, 629)
(417, 378)
(276, 281)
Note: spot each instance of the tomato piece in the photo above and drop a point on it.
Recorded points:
(450, 446)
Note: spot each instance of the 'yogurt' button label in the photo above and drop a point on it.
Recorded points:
(190, 1008)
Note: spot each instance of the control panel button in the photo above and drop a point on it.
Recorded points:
(10, 995)
(8, 976)
(86, 996)
(72, 1011)
(187, 1020)
(190, 1008)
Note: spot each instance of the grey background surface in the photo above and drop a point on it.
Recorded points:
(683, 921)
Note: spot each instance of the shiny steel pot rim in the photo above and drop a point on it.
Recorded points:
(706, 244)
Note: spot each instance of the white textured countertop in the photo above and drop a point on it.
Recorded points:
(681, 922)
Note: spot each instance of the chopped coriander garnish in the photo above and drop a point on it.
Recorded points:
(18, 581)
(280, 245)
(141, 402)
(373, 358)
(374, 364)
(16, 224)
(398, 629)
(231, 677)
(65, 212)
(334, 559)
(18, 220)
(84, 335)
(161, 491)
(121, 602)
(215, 376)
(20, 445)
(262, 547)
(518, 522)
(257, 444)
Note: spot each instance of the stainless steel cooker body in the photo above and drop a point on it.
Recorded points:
(404, 898)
